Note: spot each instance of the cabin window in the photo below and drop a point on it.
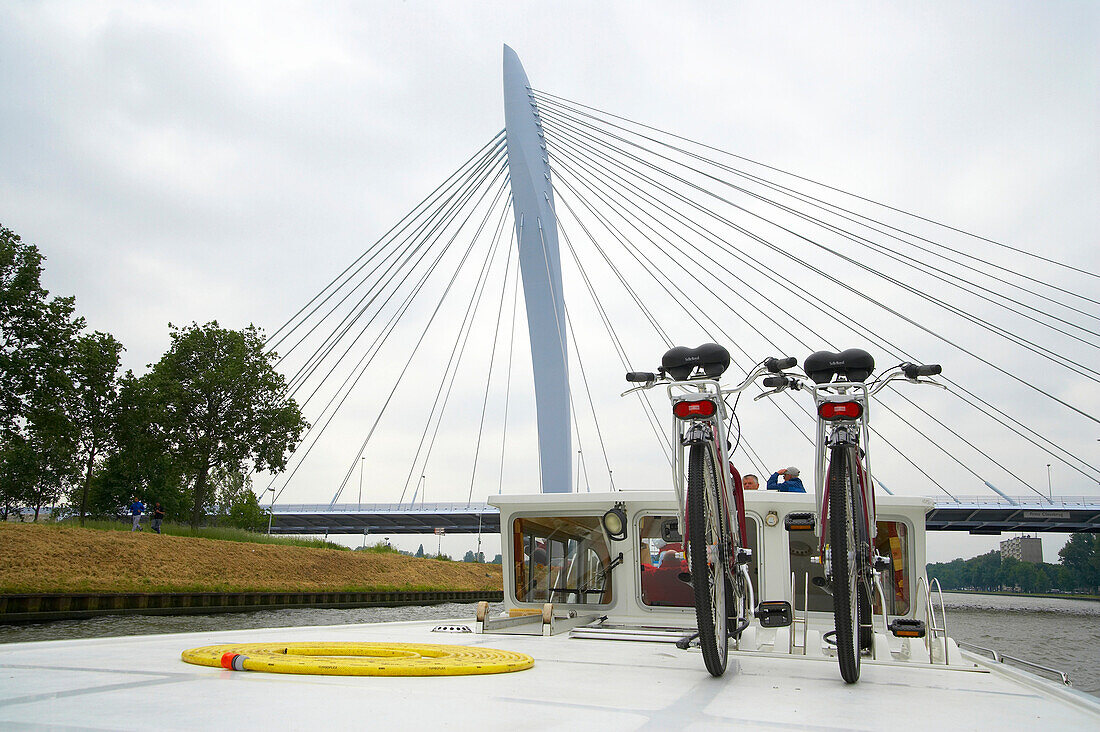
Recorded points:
(561, 559)
(662, 563)
(892, 541)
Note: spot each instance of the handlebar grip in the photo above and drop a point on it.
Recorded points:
(640, 376)
(913, 370)
(776, 365)
(774, 382)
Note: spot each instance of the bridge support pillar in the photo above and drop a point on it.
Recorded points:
(540, 267)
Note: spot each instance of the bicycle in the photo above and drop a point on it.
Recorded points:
(714, 535)
(845, 498)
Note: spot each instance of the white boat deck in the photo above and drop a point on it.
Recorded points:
(141, 683)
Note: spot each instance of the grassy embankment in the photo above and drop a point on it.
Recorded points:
(56, 558)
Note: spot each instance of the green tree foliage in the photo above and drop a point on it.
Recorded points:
(419, 551)
(1079, 570)
(37, 335)
(95, 404)
(1081, 555)
(220, 404)
(469, 557)
(236, 503)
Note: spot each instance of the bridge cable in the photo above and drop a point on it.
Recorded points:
(838, 190)
(396, 228)
(1018, 340)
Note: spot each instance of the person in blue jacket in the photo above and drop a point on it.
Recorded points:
(136, 509)
(791, 482)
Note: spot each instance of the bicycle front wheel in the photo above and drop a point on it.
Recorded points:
(708, 540)
(844, 560)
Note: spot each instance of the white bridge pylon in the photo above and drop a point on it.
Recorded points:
(540, 267)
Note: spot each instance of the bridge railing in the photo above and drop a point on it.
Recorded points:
(403, 508)
(1028, 501)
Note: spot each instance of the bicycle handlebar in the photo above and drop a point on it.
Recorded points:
(913, 370)
(636, 377)
(775, 365)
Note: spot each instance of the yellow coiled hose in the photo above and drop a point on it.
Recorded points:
(359, 659)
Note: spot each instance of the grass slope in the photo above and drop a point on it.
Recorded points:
(53, 558)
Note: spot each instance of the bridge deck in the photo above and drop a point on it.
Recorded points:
(972, 514)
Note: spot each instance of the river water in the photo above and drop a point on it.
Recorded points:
(1060, 633)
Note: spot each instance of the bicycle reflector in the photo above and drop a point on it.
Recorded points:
(690, 410)
(830, 411)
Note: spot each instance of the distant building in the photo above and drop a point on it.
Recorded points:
(1024, 548)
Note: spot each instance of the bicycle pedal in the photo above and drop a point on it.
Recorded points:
(907, 628)
(684, 643)
(799, 522)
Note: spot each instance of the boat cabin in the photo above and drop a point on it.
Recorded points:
(558, 551)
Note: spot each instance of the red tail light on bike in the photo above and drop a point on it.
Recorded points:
(692, 410)
(840, 410)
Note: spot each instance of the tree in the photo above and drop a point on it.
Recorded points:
(420, 551)
(236, 504)
(221, 403)
(469, 557)
(95, 403)
(36, 336)
(1081, 555)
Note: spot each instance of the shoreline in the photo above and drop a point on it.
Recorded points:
(46, 607)
(1053, 596)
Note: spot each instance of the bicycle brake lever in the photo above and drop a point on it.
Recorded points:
(758, 397)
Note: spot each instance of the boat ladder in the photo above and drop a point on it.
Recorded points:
(930, 617)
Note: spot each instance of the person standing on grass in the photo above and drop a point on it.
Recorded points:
(136, 509)
(158, 517)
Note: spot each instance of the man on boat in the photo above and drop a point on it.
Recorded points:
(750, 482)
(791, 482)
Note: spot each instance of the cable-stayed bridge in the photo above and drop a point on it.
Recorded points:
(625, 240)
(974, 514)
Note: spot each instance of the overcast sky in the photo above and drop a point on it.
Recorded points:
(181, 162)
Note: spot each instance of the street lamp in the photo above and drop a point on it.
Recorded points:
(362, 464)
(270, 510)
(1050, 489)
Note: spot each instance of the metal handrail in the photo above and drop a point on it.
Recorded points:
(943, 615)
(805, 621)
(996, 656)
(1031, 664)
(930, 616)
(1001, 658)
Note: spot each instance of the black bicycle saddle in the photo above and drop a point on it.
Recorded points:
(711, 358)
(854, 364)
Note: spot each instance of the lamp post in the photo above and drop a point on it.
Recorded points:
(270, 510)
(362, 464)
(1050, 489)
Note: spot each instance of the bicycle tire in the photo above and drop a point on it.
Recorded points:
(844, 562)
(707, 540)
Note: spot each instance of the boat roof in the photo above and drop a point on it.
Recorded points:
(140, 682)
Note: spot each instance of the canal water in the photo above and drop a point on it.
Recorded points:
(1060, 633)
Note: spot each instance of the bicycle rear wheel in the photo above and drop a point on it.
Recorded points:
(844, 512)
(708, 541)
